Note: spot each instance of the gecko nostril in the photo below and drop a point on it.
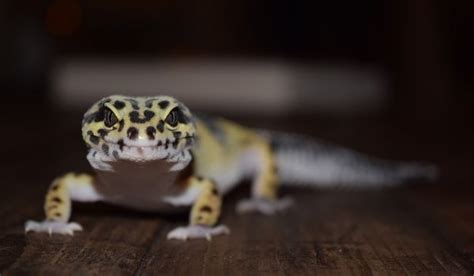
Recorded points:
(150, 131)
(132, 133)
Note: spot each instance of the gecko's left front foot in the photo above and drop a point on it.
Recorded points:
(51, 227)
(264, 206)
(197, 231)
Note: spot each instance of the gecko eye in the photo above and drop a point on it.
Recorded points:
(173, 117)
(109, 117)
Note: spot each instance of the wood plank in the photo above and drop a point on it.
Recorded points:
(357, 233)
(109, 245)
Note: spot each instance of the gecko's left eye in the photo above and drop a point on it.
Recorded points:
(173, 117)
(109, 117)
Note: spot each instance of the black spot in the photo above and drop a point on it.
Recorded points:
(161, 126)
(121, 124)
(167, 142)
(206, 209)
(56, 199)
(132, 133)
(55, 187)
(94, 153)
(150, 131)
(177, 134)
(189, 141)
(57, 214)
(116, 154)
(214, 191)
(149, 103)
(103, 132)
(134, 103)
(105, 149)
(119, 105)
(93, 138)
(121, 144)
(149, 114)
(163, 104)
(88, 118)
(175, 143)
(135, 116)
(159, 143)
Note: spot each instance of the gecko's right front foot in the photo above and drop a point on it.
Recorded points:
(51, 226)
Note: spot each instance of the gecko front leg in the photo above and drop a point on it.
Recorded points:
(206, 200)
(57, 206)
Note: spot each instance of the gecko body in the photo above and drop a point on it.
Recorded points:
(153, 154)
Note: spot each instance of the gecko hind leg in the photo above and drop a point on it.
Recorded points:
(265, 185)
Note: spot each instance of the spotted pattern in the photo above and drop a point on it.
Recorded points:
(140, 122)
(147, 116)
(164, 104)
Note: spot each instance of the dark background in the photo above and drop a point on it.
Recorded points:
(421, 49)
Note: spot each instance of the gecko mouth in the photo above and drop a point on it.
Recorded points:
(160, 144)
(175, 151)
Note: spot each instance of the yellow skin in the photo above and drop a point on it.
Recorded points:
(217, 153)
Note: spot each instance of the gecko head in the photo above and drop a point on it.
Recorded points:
(138, 128)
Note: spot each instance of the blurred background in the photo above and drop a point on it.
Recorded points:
(391, 78)
(408, 60)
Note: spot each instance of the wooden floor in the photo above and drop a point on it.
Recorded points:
(415, 229)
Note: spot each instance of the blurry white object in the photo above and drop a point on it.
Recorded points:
(246, 87)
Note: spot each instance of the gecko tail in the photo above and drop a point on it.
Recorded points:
(305, 161)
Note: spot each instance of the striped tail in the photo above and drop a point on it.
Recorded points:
(306, 161)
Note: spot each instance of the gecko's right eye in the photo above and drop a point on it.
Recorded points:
(109, 117)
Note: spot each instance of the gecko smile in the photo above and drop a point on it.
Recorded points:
(170, 150)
